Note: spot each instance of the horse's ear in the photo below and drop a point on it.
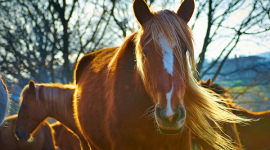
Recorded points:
(186, 10)
(32, 85)
(141, 11)
(208, 82)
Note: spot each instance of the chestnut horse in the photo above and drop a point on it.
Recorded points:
(150, 73)
(42, 137)
(3, 100)
(65, 139)
(44, 100)
(255, 135)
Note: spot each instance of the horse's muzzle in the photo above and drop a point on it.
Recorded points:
(23, 135)
(170, 124)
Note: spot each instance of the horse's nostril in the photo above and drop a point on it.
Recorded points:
(181, 114)
(160, 113)
(177, 116)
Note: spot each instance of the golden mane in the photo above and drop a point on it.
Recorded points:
(53, 95)
(166, 24)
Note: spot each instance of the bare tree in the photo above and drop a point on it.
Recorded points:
(44, 39)
(41, 38)
(256, 22)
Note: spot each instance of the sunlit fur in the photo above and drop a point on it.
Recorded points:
(52, 93)
(199, 103)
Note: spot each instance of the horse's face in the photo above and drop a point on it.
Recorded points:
(166, 84)
(30, 114)
(163, 66)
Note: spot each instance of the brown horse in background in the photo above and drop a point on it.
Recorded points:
(253, 136)
(40, 101)
(116, 88)
(42, 137)
(65, 139)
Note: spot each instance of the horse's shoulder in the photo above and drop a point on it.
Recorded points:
(88, 58)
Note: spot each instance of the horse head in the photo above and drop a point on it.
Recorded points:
(30, 114)
(162, 44)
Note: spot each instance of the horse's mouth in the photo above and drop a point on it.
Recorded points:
(23, 136)
(165, 131)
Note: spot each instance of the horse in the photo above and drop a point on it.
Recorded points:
(253, 135)
(65, 139)
(42, 137)
(40, 101)
(3, 100)
(142, 95)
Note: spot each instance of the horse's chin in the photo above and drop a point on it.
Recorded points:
(165, 131)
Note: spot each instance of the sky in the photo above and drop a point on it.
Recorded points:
(248, 45)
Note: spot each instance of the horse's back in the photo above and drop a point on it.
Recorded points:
(57, 127)
(87, 59)
(254, 135)
(3, 100)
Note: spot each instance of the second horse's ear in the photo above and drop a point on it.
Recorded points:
(186, 10)
(32, 86)
(208, 82)
(141, 11)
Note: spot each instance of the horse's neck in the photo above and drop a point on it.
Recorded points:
(127, 74)
(64, 115)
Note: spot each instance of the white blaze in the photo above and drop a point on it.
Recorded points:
(168, 55)
(169, 110)
(168, 64)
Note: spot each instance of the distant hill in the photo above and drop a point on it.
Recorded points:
(245, 69)
(265, 55)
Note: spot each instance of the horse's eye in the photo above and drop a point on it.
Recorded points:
(185, 51)
(145, 53)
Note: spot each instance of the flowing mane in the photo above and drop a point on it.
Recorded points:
(55, 93)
